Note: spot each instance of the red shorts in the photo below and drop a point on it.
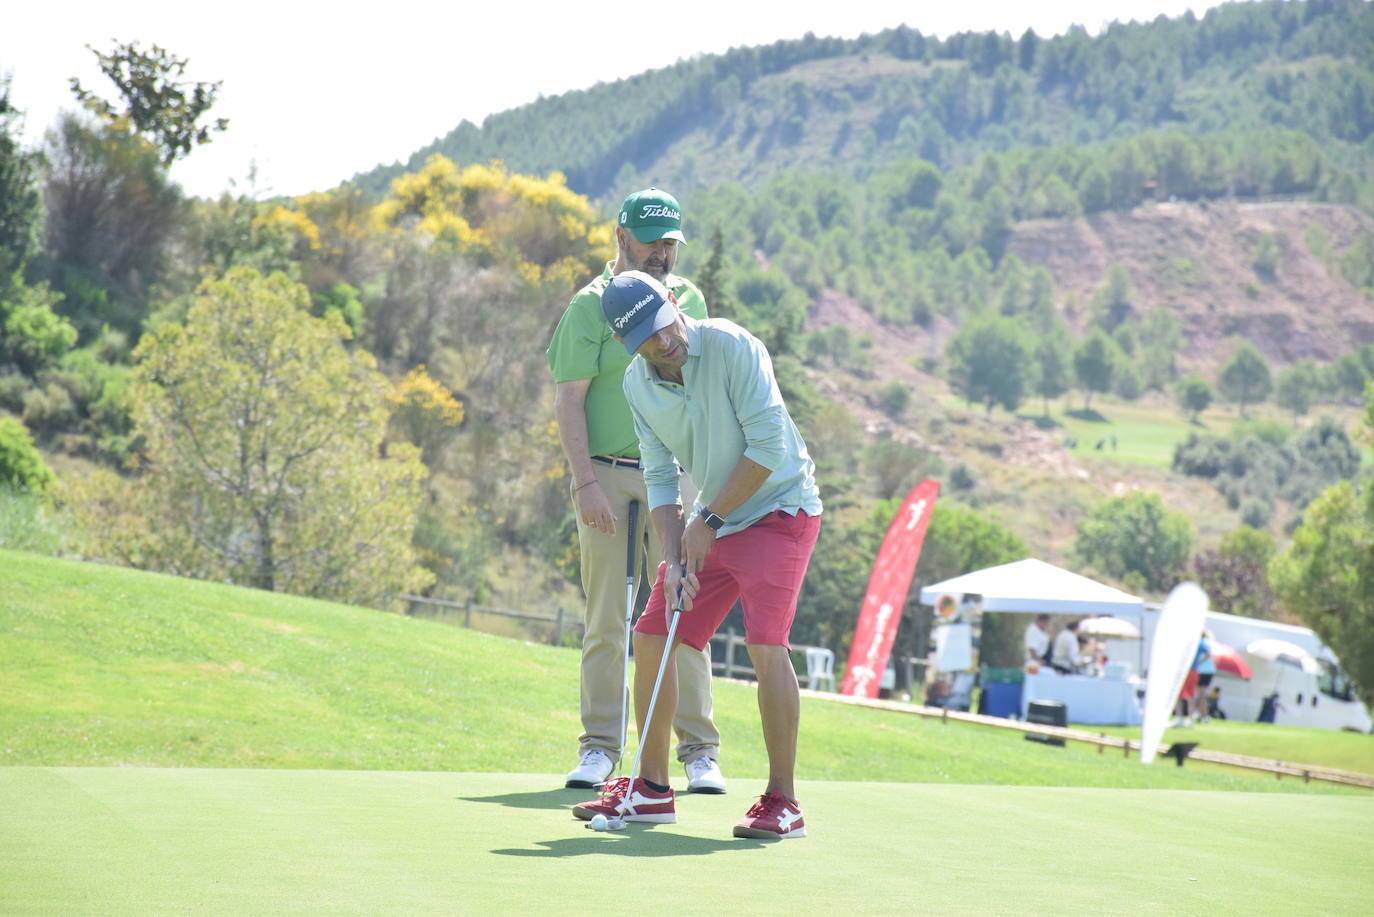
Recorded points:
(762, 566)
(1189, 685)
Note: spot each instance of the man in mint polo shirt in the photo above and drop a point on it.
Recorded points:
(703, 394)
(602, 449)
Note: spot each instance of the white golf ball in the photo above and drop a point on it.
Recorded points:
(599, 822)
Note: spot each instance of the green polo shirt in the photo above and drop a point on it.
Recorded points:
(582, 348)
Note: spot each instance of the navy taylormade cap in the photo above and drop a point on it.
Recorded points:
(636, 305)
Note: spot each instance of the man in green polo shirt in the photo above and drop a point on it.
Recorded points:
(602, 448)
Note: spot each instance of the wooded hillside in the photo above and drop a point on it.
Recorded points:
(1077, 279)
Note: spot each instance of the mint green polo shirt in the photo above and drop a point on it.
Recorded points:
(727, 406)
(583, 348)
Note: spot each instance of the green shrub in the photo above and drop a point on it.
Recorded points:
(21, 467)
(893, 398)
(49, 409)
(1256, 512)
(27, 522)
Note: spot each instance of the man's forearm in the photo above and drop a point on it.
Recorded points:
(745, 480)
(570, 411)
(669, 523)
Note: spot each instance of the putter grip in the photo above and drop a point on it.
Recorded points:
(630, 541)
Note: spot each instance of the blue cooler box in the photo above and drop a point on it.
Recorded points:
(1002, 698)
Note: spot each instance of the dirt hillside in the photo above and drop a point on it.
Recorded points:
(1199, 262)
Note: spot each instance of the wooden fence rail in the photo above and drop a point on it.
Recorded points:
(560, 620)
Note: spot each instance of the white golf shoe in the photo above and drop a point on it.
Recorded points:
(591, 771)
(704, 776)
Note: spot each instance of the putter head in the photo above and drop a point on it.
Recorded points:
(602, 823)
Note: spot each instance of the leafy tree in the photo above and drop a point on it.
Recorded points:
(112, 212)
(156, 105)
(1265, 258)
(1094, 189)
(1245, 378)
(1053, 361)
(21, 466)
(989, 362)
(893, 398)
(1112, 303)
(714, 282)
(1348, 378)
(1096, 363)
(1194, 395)
(1127, 384)
(1136, 534)
(1322, 454)
(19, 200)
(1297, 388)
(960, 540)
(892, 467)
(264, 433)
(34, 335)
(1235, 575)
(1326, 576)
(425, 412)
(909, 184)
(1160, 340)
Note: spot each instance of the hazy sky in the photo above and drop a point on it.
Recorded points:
(316, 92)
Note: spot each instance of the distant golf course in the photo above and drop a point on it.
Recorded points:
(173, 746)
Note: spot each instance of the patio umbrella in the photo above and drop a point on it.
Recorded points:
(1107, 626)
(1228, 660)
(1284, 653)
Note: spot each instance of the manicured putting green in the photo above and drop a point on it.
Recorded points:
(148, 841)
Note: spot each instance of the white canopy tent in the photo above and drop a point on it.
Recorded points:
(1034, 586)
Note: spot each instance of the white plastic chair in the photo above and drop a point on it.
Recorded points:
(820, 666)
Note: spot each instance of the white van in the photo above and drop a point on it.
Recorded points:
(1324, 700)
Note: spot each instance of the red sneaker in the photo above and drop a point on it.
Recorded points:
(645, 804)
(773, 816)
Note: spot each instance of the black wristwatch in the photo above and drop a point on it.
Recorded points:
(711, 519)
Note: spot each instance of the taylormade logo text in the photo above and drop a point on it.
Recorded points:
(624, 320)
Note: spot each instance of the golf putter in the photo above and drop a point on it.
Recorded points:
(631, 555)
(617, 821)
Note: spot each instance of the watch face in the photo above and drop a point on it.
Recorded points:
(711, 519)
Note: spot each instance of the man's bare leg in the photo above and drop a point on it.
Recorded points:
(653, 762)
(780, 711)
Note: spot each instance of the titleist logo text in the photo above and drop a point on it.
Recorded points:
(658, 210)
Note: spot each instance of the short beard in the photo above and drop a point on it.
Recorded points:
(660, 274)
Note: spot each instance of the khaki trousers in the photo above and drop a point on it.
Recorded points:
(603, 647)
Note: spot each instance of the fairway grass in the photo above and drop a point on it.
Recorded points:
(108, 666)
(147, 841)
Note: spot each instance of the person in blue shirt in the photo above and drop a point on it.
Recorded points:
(1206, 667)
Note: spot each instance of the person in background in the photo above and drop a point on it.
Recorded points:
(1214, 703)
(1184, 711)
(599, 441)
(1206, 667)
(1064, 659)
(1037, 641)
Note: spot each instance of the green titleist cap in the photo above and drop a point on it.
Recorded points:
(651, 215)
